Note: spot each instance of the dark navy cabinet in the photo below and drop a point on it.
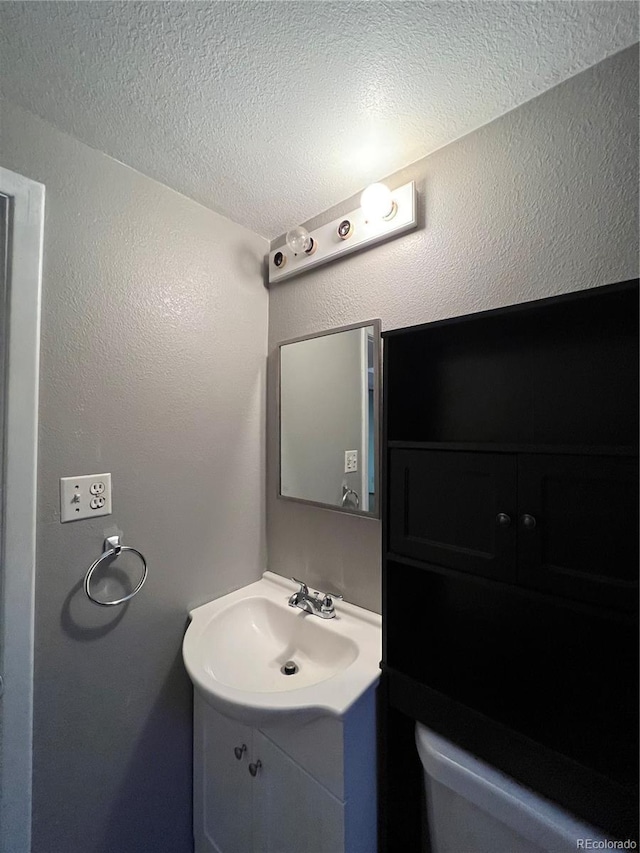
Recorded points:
(578, 527)
(564, 524)
(454, 509)
(510, 548)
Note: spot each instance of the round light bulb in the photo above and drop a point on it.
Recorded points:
(299, 240)
(376, 202)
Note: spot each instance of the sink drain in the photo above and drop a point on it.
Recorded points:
(289, 668)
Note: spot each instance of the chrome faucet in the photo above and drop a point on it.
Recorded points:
(320, 603)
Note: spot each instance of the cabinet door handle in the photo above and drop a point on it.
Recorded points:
(503, 520)
(253, 768)
(239, 751)
(528, 521)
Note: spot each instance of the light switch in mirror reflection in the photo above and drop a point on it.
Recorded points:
(329, 400)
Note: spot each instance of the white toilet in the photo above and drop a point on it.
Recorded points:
(473, 808)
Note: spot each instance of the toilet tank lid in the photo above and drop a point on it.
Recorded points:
(451, 765)
(526, 812)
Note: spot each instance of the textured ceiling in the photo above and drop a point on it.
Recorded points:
(271, 112)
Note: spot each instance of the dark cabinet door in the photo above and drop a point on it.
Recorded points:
(454, 509)
(578, 527)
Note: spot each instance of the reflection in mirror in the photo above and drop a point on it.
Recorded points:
(329, 401)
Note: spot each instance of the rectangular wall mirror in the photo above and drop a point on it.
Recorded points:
(329, 400)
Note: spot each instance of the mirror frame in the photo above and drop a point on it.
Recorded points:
(377, 418)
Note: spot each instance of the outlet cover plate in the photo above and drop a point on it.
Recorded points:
(350, 461)
(77, 500)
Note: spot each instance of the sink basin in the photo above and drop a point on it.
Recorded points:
(255, 637)
(235, 649)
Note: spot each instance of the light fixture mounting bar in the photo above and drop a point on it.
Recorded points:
(362, 234)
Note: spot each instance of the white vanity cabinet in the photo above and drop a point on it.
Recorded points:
(291, 810)
(222, 783)
(314, 791)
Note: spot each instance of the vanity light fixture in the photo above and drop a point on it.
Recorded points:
(299, 240)
(384, 214)
(345, 229)
(377, 203)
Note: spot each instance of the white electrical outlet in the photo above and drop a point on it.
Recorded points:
(350, 461)
(85, 497)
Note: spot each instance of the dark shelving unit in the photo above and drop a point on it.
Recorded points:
(510, 549)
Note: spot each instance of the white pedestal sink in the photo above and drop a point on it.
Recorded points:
(283, 763)
(235, 647)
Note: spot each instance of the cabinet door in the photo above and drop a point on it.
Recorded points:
(454, 509)
(293, 813)
(223, 785)
(578, 527)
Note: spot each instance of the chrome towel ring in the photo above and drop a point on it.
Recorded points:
(345, 496)
(113, 548)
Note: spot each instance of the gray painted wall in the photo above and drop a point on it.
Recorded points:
(153, 367)
(542, 201)
(154, 338)
(321, 409)
(4, 230)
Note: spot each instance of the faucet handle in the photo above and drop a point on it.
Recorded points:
(328, 599)
(304, 589)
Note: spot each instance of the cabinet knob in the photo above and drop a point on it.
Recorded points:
(253, 768)
(239, 750)
(503, 520)
(528, 521)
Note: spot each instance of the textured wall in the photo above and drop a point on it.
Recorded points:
(269, 112)
(153, 367)
(542, 201)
